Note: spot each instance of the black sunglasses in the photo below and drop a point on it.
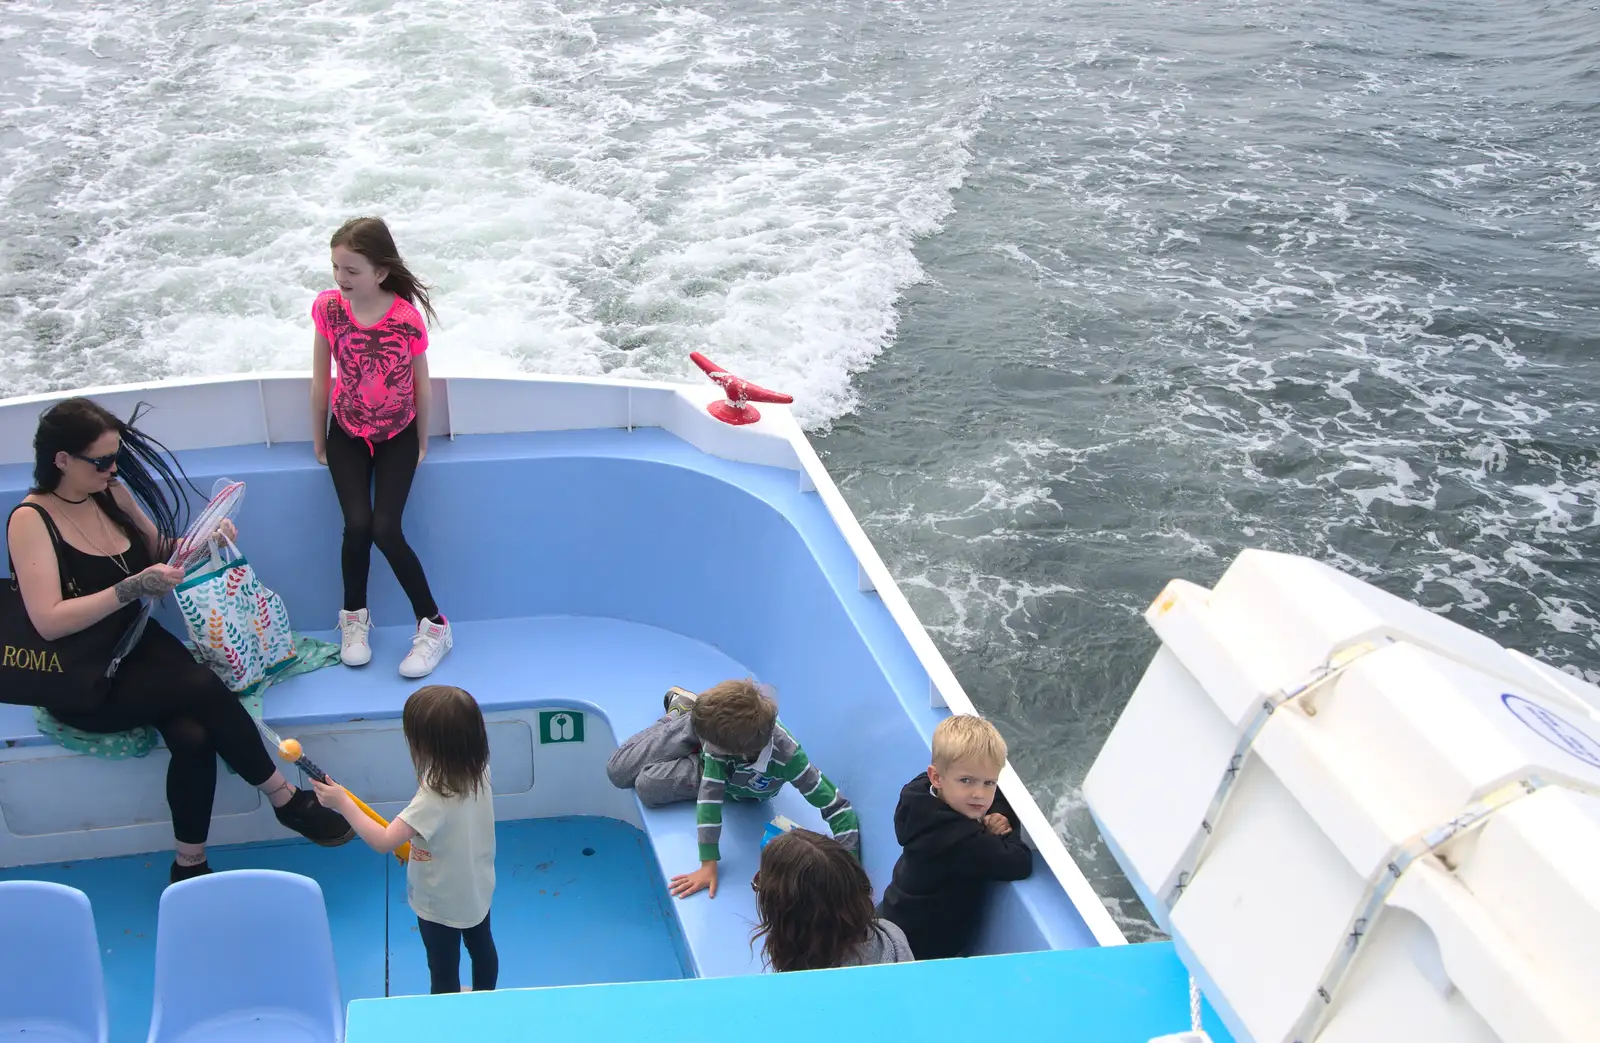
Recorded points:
(100, 463)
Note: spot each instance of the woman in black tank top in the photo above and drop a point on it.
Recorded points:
(112, 536)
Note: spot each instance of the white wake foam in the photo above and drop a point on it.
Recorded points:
(592, 187)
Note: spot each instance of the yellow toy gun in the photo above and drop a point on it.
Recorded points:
(289, 750)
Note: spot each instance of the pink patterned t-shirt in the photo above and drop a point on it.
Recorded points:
(373, 394)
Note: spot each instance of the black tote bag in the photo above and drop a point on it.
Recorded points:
(70, 673)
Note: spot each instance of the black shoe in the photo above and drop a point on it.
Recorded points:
(181, 872)
(311, 820)
(680, 699)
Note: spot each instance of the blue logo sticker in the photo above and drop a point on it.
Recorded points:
(1554, 729)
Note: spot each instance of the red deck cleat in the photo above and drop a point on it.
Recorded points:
(737, 409)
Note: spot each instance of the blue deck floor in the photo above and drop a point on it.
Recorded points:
(549, 896)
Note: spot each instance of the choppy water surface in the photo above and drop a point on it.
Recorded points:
(1076, 296)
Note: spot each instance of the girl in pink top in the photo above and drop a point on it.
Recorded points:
(372, 340)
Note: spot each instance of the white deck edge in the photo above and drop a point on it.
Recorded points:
(947, 691)
(275, 407)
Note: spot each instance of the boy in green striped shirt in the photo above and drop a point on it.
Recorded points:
(747, 754)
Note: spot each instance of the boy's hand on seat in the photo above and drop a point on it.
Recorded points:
(702, 879)
(996, 823)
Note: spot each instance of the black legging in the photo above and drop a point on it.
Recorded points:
(372, 486)
(444, 955)
(160, 684)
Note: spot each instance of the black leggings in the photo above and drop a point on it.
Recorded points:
(444, 955)
(160, 684)
(372, 486)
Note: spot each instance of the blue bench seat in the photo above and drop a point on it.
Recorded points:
(611, 668)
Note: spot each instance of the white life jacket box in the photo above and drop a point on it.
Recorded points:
(1358, 820)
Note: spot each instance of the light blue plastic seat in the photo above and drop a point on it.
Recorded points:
(245, 956)
(52, 989)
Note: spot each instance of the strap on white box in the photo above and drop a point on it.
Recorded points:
(1338, 661)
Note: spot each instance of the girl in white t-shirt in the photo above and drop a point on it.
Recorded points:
(450, 825)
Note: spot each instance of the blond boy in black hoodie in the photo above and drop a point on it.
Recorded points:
(957, 833)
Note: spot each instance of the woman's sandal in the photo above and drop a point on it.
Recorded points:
(182, 872)
(311, 820)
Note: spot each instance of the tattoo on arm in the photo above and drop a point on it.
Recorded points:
(138, 586)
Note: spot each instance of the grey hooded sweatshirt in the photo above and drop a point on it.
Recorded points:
(885, 944)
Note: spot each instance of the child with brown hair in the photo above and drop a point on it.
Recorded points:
(450, 825)
(957, 833)
(372, 339)
(724, 744)
(815, 904)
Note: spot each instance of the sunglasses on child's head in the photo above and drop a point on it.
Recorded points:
(100, 463)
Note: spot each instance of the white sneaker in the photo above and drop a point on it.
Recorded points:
(433, 640)
(353, 647)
